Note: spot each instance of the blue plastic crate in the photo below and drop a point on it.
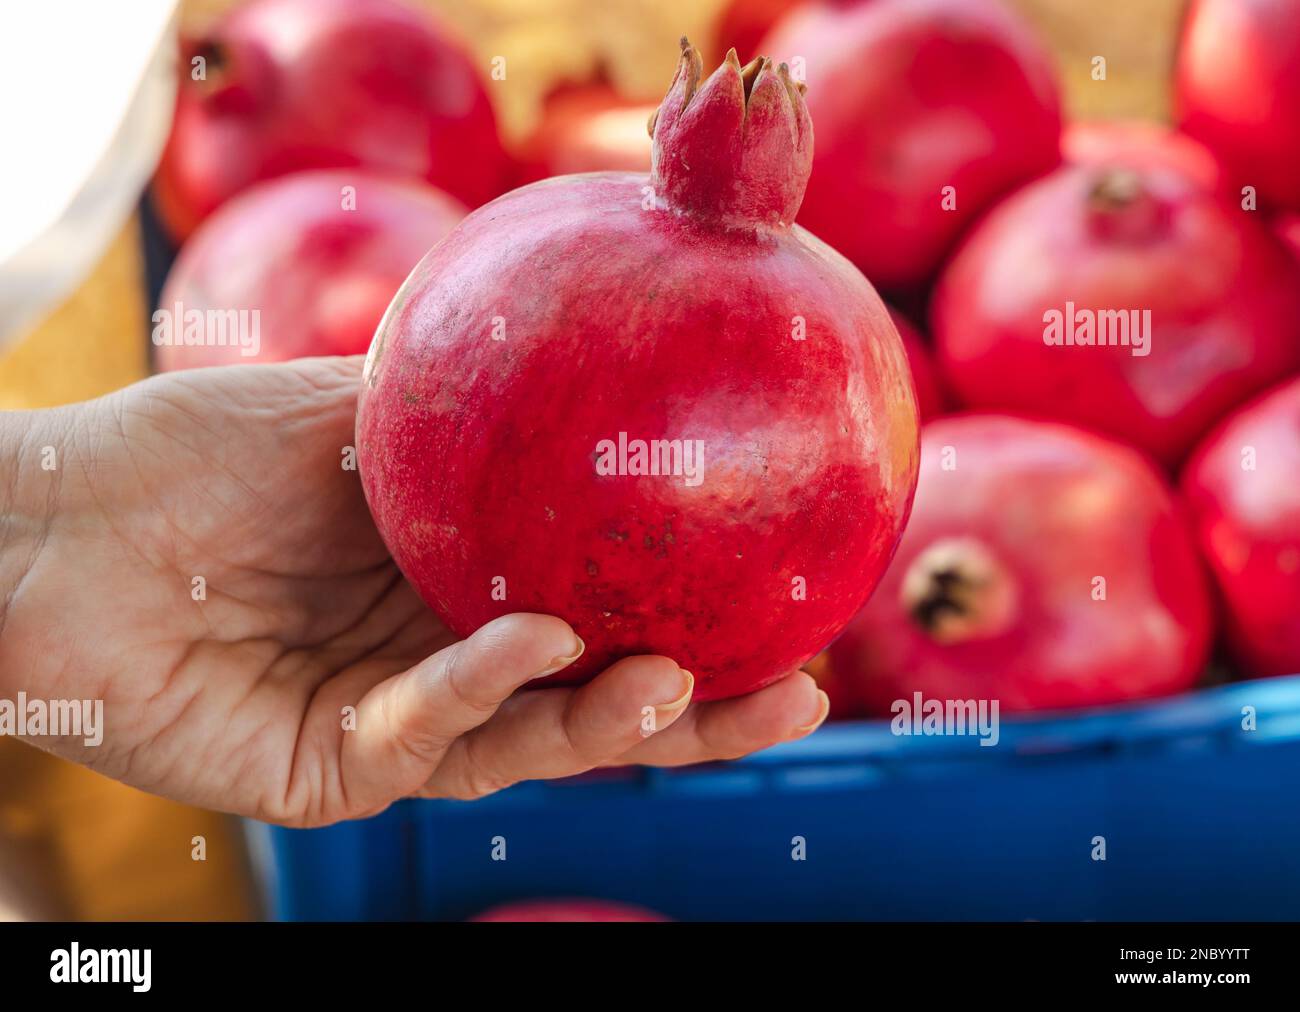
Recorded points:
(1200, 817)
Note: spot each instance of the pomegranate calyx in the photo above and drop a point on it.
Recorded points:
(737, 146)
(956, 590)
(227, 81)
(1115, 189)
(1121, 205)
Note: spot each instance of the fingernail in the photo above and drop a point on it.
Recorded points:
(823, 708)
(678, 704)
(560, 663)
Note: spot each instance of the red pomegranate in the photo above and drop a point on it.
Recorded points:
(304, 84)
(1043, 566)
(1191, 306)
(1103, 143)
(588, 129)
(1243, 484)
(318, 255)
(742, 24)
(1237, 89)
(1289, 229)
(929, 392)
(842, 692)
(649, 405)
(571, 911)
(926, 112)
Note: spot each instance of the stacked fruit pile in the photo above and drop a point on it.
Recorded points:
(647, 401)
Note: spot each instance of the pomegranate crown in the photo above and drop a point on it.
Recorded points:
(737, 146)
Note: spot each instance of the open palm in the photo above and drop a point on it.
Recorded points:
(200, 559)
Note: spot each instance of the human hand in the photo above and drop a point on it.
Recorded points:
(230, 481)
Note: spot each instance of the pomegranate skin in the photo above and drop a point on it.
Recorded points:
(1220, 288)
(307, 84)
(1237, 89)
(664, 320)
(1289, 229)
(568, 911)
(320, 276)
(910, 97)
(1248, 523)
(991, 593)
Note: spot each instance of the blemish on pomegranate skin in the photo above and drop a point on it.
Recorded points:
(592, 568)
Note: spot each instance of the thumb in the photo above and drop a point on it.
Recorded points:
(406, 723)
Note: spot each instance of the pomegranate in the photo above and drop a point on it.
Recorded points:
(929, 392)
(649, 405)
(1289, 229)
(1237, 89)
(926, 112)
(303, 84)
(572, 911)
(844, 701)
(1125, 298)
(319, 256)
(1245, 494)
(742, 24)
(589, 129)
(1043, 566)
(1136, 142)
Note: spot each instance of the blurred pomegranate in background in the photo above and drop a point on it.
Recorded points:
(700, 319)
(1141, 144)
(302, 84)
(320, 274)
(1237, 89)
(1125, 298)
(1289, 229)
(844, 705)
(911, 98)
(1042, 566)
(588, 129)
(1243, 485)
(929, 393)
(742, 24)
(568, 910)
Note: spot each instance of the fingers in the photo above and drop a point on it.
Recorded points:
(427, 730)
(560, 732)
(405, 724)
(730, 728)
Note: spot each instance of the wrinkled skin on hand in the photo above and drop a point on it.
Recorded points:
(238, 700)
